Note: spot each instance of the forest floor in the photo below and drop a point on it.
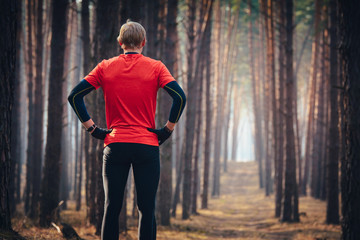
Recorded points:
(241, 212)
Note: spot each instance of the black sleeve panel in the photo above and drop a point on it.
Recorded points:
(179, 100)
(76, 99)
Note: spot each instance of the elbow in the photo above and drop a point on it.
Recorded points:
(184, 99)
(71, 97)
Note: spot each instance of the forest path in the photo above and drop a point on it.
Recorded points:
(241, 212)
(244, 212)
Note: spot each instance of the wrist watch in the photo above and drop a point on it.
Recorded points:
(168, 130)
(91, 128)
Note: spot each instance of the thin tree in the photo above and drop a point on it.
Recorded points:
(31, 119)
(14, 188)
(190, 113)
(311, 104)
(208, 121)
(217, 73)
(332, 207)
(165, 186)
(290, 208)
(38, 111)
(270, 106)
(279, 164)
(50, 184)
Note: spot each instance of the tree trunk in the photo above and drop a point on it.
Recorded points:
(190, 113)
(318, 145)
(311, 104)
(217, 78)
(350, 187)
(14, 189)
(165, 186)
(38, 111)
(80, 170)
(279, 171)
(8, 26)
(106, 31)
(208, 121)
(270, 95)
(50, 185)
(290, 208)
(261, 96)
(195, 178)
(332, 179)
(30, 141)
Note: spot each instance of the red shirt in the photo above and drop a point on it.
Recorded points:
(130, 84)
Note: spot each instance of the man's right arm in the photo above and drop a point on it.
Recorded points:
(76, 100)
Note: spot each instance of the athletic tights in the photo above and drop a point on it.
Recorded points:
(117, 159)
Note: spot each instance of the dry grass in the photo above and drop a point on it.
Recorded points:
(242, 212)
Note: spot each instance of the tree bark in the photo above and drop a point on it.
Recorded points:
(15, 169)
(38, 111)
(290, 208)
(270, 95)
(311, 104)
(8, 26)
(106, 31)
(190, 112)
(279, 168)
(50, 185)
(30, 141)
(165, 187)
(208, 121)
(332, 198)
(350, 50)
(217, 78)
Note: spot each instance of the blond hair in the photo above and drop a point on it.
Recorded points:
(131, 35)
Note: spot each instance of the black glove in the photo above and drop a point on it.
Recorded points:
(100, 133)
(162, 133)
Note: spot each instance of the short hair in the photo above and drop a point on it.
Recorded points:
(131, 35)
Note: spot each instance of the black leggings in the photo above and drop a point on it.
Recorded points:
(146, 167)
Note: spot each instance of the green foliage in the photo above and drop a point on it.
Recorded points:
(304, 11)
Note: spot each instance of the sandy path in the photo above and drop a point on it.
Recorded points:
(241, 212)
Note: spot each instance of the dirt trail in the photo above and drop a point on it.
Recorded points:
(241, 212)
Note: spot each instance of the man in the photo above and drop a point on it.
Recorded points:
(130, 83)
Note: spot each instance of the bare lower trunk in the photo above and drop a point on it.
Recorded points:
(290, 207)
(50, 185)
(311, 104)
(350, 187)
(7, 74)
(332, 207)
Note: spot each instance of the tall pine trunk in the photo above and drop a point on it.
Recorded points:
(190, 112)
(30, 135)
(106, 46)
(290, 208)
(279, 164)
(165, 186)
(50, 184)
(350, 50)
(311, 104)
(14, 189)
(332, 206)
(38, 111)
(208, 121)
(8, 26)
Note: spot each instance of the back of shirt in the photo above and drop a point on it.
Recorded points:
(130, 83)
